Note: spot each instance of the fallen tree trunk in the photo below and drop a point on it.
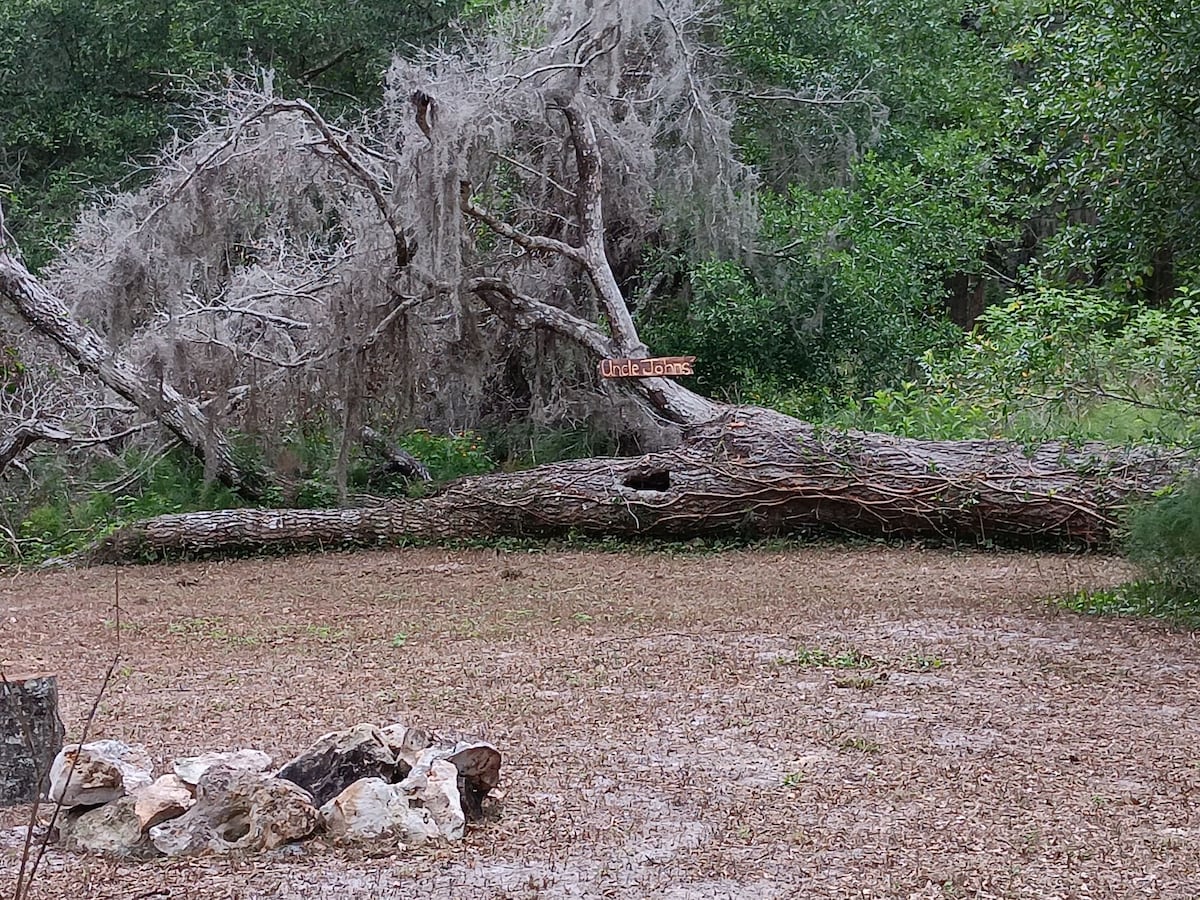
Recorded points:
(749, 473)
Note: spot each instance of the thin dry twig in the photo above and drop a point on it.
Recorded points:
(24, 881)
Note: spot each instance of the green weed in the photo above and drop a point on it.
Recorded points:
(818, 658)
(860, 745)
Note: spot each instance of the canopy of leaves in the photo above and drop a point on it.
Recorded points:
(1108, 129)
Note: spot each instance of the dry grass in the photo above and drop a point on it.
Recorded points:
(822, 723)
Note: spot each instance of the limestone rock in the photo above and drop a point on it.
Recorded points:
(190, 768)
(371, 809)
(98, 771)
(166, 798)
(239, 810)
(339, 759)
(113, 829)
(406, 744)
(433, 784)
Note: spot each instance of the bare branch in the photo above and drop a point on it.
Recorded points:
(522, 311)
(531, 242)
(25, 435)
(355, 166)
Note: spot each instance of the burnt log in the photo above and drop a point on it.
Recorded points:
(31, 734)
(749, 473)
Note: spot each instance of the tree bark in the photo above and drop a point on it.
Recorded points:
(398, 459)
(31, 734)
(750, 473)
(183, 417)
(25, 435)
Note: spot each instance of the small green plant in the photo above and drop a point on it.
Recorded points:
(858, 682)
(325, 632)
(807, 657)
(920, 662)
(860, 744)
(399, 639)
(818, 658)
(1141, 599)
(793, 779)
(1163, 537)
(210, 628)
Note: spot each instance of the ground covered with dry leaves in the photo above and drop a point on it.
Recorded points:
(810, 722)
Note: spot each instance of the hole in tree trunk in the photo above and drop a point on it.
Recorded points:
(649, 481)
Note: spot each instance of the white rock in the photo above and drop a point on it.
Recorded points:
(166, 798)
(98, 772)
(371, 809)
(190, 768)
(433, 784)
(237, 810)
(406, 743)
(113, 830)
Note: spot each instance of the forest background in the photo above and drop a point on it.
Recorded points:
(964, 221)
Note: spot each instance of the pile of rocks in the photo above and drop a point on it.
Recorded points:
(364, 783)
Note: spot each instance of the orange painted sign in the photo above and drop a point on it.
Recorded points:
(668, 366)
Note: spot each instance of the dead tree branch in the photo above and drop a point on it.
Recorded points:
(25, 435)
(183, 417)
(398, 459)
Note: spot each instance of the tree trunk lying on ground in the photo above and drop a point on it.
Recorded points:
(751, 473)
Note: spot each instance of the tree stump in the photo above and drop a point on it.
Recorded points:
(31, 734)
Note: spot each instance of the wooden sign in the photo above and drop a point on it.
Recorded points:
(660, 366)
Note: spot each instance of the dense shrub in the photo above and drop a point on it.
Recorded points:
(1164, 538)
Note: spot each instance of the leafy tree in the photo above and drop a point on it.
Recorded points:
(1108, 130)
(874, 128)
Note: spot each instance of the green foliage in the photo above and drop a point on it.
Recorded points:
(740, 329)
(906, 72)
(56, 520)
(899, 195)
(521, 445)
(1145, 599)
(1106, 139)
(817, 657)
(449, 456)
(911, 410)
(1055, 363)
(1164, 538)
